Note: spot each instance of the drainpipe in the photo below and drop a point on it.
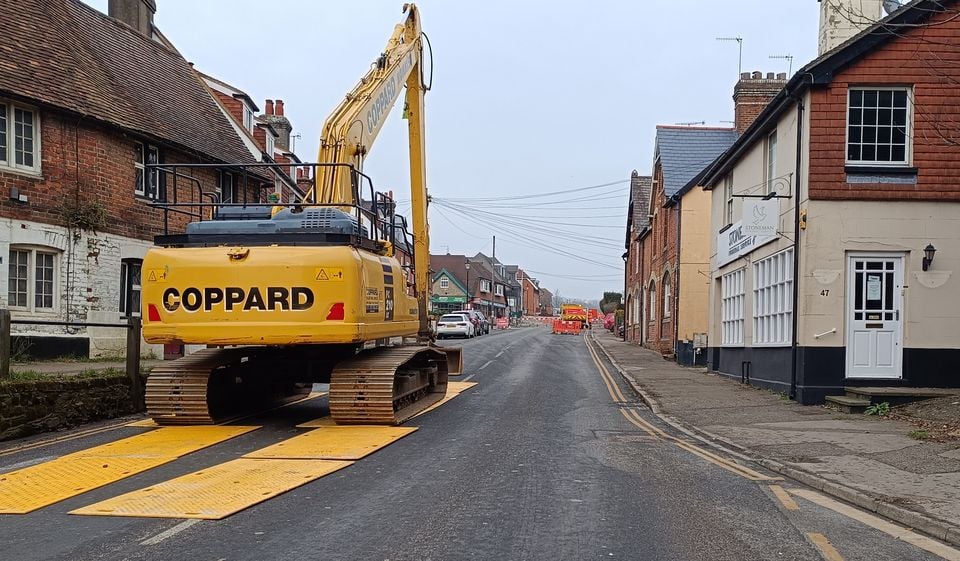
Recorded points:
(796, 254)
(676, 287)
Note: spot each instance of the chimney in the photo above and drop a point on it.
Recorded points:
(752, 94)
(842, 19)
(138, 14)
(275, 117)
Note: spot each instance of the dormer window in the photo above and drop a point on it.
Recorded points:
(270, 144)
(247, 118)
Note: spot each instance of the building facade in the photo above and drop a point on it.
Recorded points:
(858, 154)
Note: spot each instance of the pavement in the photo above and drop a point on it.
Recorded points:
(869, 461)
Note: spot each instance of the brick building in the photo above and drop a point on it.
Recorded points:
(86, 100)
(530, 293)
(638, 211)
(851, 283)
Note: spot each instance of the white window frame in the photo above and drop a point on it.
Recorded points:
(773, 300)
(31, 292)
(127, 287)
(728, 198)
(498, 289)
(771, 158)
(8, 156)
(271, 144)
(247, 118)
(484, 285)
(444, 282)
(733, 294)
(139, 187)
(908, 125)
(233, 190)
(667, 294)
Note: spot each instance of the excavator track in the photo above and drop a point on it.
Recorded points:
(213, 385)
(387, 386)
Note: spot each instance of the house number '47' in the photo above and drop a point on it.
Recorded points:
(825, 292)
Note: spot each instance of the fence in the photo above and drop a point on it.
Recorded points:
(132, 326)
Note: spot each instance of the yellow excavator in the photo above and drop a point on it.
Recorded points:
(285, 296)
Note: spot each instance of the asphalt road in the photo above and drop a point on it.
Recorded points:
(537, 462)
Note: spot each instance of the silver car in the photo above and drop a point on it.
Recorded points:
(455, 325)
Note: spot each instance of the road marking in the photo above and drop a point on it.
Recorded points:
(170, 532)
(489, 362)
(65, 438)
(499, 354)
(26, 463)
(902, 534)
(784, 497)
(827, 551)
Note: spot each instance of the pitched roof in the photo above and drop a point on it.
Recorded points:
(684, 152)
(66, 54)
(640, 186)
(451, 276)
(821, 70)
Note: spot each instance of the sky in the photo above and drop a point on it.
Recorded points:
(529, 97)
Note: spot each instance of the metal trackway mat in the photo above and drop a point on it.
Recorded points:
(349, 442)
(41, 485)
(216, 492)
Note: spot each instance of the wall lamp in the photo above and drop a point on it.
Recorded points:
(928, 253)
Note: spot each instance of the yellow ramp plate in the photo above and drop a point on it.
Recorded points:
(215, 492)
(457, 387)
(38, 486)
(334, 443)
(149, 423)
(317, 423)
(165, 442)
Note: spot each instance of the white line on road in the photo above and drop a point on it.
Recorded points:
(27, 463)
(499, 354)
(171, 532)
(485, 365)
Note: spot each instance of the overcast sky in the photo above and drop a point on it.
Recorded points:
(528, 97)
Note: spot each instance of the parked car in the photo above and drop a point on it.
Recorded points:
(455, 325)
(477, 319)
(609, 321)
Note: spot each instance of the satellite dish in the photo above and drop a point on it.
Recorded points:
(891, 6)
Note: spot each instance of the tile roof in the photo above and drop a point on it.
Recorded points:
(685, 151)
(66, 54)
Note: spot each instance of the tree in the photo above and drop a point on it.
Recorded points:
(611, 301)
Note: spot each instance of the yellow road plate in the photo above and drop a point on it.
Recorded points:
(317, 423)
(453, 390)
(165, 442)
(215, 492)
(458, 387)
(38, 486)
(334, 443)
(143, 423)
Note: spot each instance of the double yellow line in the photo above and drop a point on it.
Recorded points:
(632, 415)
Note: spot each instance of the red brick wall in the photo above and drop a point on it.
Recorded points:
(88, 162)
(233, 105)
(927, 59)
(660, 255)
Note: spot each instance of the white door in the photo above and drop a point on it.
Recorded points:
(874, 324)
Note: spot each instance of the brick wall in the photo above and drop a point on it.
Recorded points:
(751, 95)
(926, 59)
(660, 258)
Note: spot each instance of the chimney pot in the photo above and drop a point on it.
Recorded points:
(782, 76)
(279, 107)
(744, 75)
(769, 75)
(269, 108)
(138, 14)
(757, 75)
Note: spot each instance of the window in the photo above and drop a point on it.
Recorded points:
(499, 290)
(731, 304)
(773, 299)
(771, 161)
(19, 137)
(728, 197)
(484, 285)
(667, 304)
(653, 301)
(147, 184)
(444, 282)
(270, 144)
(130, 287)
(31, 280)
(227, 188)
(878, 126)
(247, 118)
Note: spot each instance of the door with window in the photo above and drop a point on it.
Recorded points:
(874, 316)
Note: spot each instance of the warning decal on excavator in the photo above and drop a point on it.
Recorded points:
(328, 273)
(157, 275)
